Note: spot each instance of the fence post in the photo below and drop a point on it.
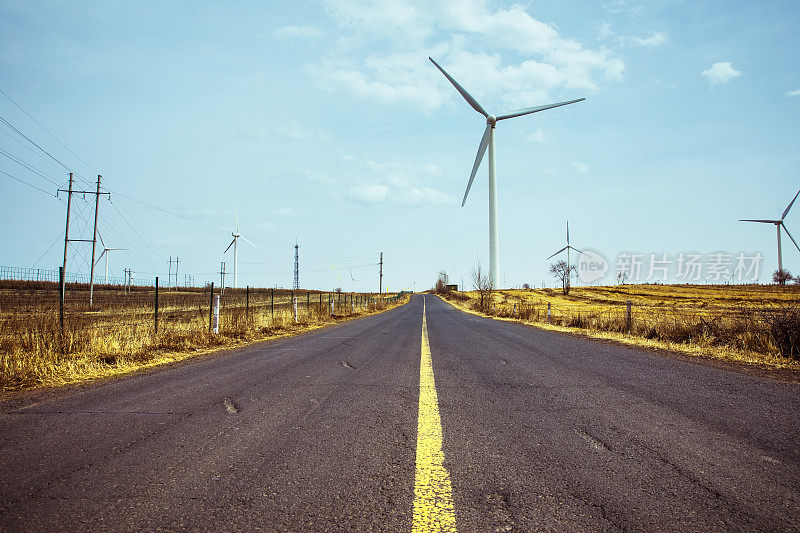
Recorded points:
(548, 312)
(61, 298)
(247, 303)
(156, 313)
(308, 302)
(272, 303)
(330, 302)
(628, 317)
(294, 301)
(211, 309)
(216, 314)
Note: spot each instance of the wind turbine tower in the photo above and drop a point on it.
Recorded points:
(105, 253)
(234, 243)
(778, 225)
(488, 141)
(567, 248)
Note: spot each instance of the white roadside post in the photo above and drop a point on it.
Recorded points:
(215, 326)
(295, 309)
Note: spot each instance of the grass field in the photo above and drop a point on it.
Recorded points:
(118, 333)
(743, 323)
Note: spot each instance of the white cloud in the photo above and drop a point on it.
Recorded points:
(537, 136)
(456, 33)
(656, 39)
(375, 193)
(396, 183)
(300, 132)
(721, 73)
(580, 168)
(604, 32)
(285, 211)
(795, 92)
(297, 32)
(615, 6)
(423, 196)
(291, 130)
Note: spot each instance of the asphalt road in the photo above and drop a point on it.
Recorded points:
(319, 433)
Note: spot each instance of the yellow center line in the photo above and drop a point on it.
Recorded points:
(433, 494)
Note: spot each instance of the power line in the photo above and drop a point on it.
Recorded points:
(48, 131)
(28, 148)
(48, 248)
(135, 230)
(164, 210)
(28, 166)
(26, 183)
(10, 125)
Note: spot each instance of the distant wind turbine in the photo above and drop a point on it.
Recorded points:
(488, 140)
(105, 253)
(234, 243)
(778, 225)
(567, 248)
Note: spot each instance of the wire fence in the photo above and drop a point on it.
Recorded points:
(10, 273)
(767, 329)
(35, 317)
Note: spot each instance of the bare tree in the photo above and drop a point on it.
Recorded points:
(483, 284)
(781, 276)
(526, 286)
(562, 272)
(441, 283)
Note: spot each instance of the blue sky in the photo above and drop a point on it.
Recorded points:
(324, 122)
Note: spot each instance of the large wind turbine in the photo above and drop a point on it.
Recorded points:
(105, 253)
(488, 140)
(234, 243)
(567, 248)
(778, 224)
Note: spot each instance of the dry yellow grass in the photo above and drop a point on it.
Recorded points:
(34, 352)
(721, 321)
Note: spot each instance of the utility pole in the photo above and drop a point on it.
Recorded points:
(169, 273)
(177, 260)
(222, 277)
(94, 239)
(380, 277)
(63, 276)
(296, 285)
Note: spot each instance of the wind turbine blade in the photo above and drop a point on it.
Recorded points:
(764, 221)
(573, 248)
(101, 239)
(487, 133)
(107, 249)
(567, 232)
(558, 252)
(237, 221)
(529, 110)
(790, 236)
(246, 239)
(790, 206)
(229, 246)
(468, 97)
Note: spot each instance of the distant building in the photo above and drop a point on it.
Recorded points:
(451, 287)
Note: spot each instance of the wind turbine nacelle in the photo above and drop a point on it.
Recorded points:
(491, 119)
